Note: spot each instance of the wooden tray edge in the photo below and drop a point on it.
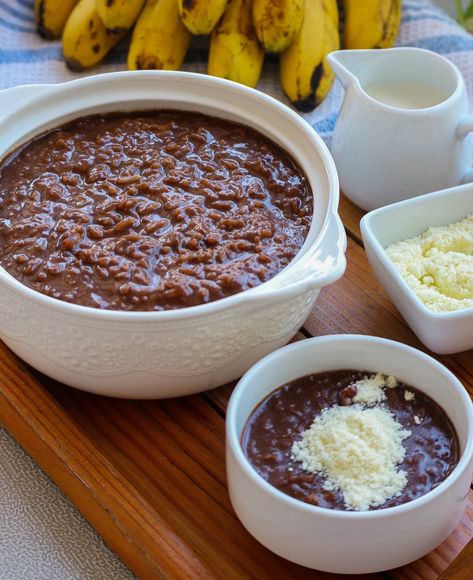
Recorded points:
(65, 452)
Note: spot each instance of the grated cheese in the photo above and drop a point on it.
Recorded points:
(391, 382)
(370, 390)
(409, 395)
(417, 420)
(357, 450)
(438, 265)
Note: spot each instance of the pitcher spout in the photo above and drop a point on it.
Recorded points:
(345, 64)
(353, 67)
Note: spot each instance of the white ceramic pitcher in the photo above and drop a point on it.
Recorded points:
(402, 127)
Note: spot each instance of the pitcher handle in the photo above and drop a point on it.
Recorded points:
(466, 126)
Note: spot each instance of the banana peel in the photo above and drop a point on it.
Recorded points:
(306, 76)
(277, 22)
(119, 15)
(85, 39)
(160, 40)
(201, 16)
(235, 52)
(371, 23)
(51, 16)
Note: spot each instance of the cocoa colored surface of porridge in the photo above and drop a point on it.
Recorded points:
(150, 210)
(432, 449)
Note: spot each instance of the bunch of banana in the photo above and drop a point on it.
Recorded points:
(160, 39)
(371, 23)
(303, 32)
(306, 76)
(235, 52)
(201, 16)
(51, 16)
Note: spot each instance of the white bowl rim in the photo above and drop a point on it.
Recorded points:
(260, 291)
(233, 438)
(365, 224)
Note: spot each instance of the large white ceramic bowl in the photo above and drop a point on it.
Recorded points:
(441, 332)
(341, 541)
(164, 354)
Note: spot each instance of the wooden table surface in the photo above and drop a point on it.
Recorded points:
(150, 475)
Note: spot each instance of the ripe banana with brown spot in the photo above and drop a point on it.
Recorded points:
(85, 39)
(119, 14)
(201, 16)
(160, 39)
(371, 23)
(306, 76)
(51, 16)
(277, 22)
(235, 52)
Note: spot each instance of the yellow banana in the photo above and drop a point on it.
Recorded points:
(306, 76)
(371, 23)
(160, 39)
(85, 39)
(235, 52)
(201, 16)
(51, 16)
(277, 22)
(119, 14)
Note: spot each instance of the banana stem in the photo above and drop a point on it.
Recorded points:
(460, 13)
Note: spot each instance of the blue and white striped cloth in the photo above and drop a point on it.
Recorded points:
(27, 59)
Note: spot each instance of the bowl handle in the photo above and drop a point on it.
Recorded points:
(10, 98)
(320, 268)
(316, 269)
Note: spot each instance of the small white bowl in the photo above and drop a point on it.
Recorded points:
(441, 332)
(341, 541)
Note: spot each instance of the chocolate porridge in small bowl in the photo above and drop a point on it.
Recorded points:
(159, 232)
(349, 454)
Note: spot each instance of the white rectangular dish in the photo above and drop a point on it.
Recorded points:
(441, 332)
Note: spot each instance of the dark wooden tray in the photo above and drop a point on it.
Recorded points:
(150, 475)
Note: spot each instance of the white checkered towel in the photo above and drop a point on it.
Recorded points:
(26, 58)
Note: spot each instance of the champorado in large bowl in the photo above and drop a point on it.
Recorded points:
(151, 352)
